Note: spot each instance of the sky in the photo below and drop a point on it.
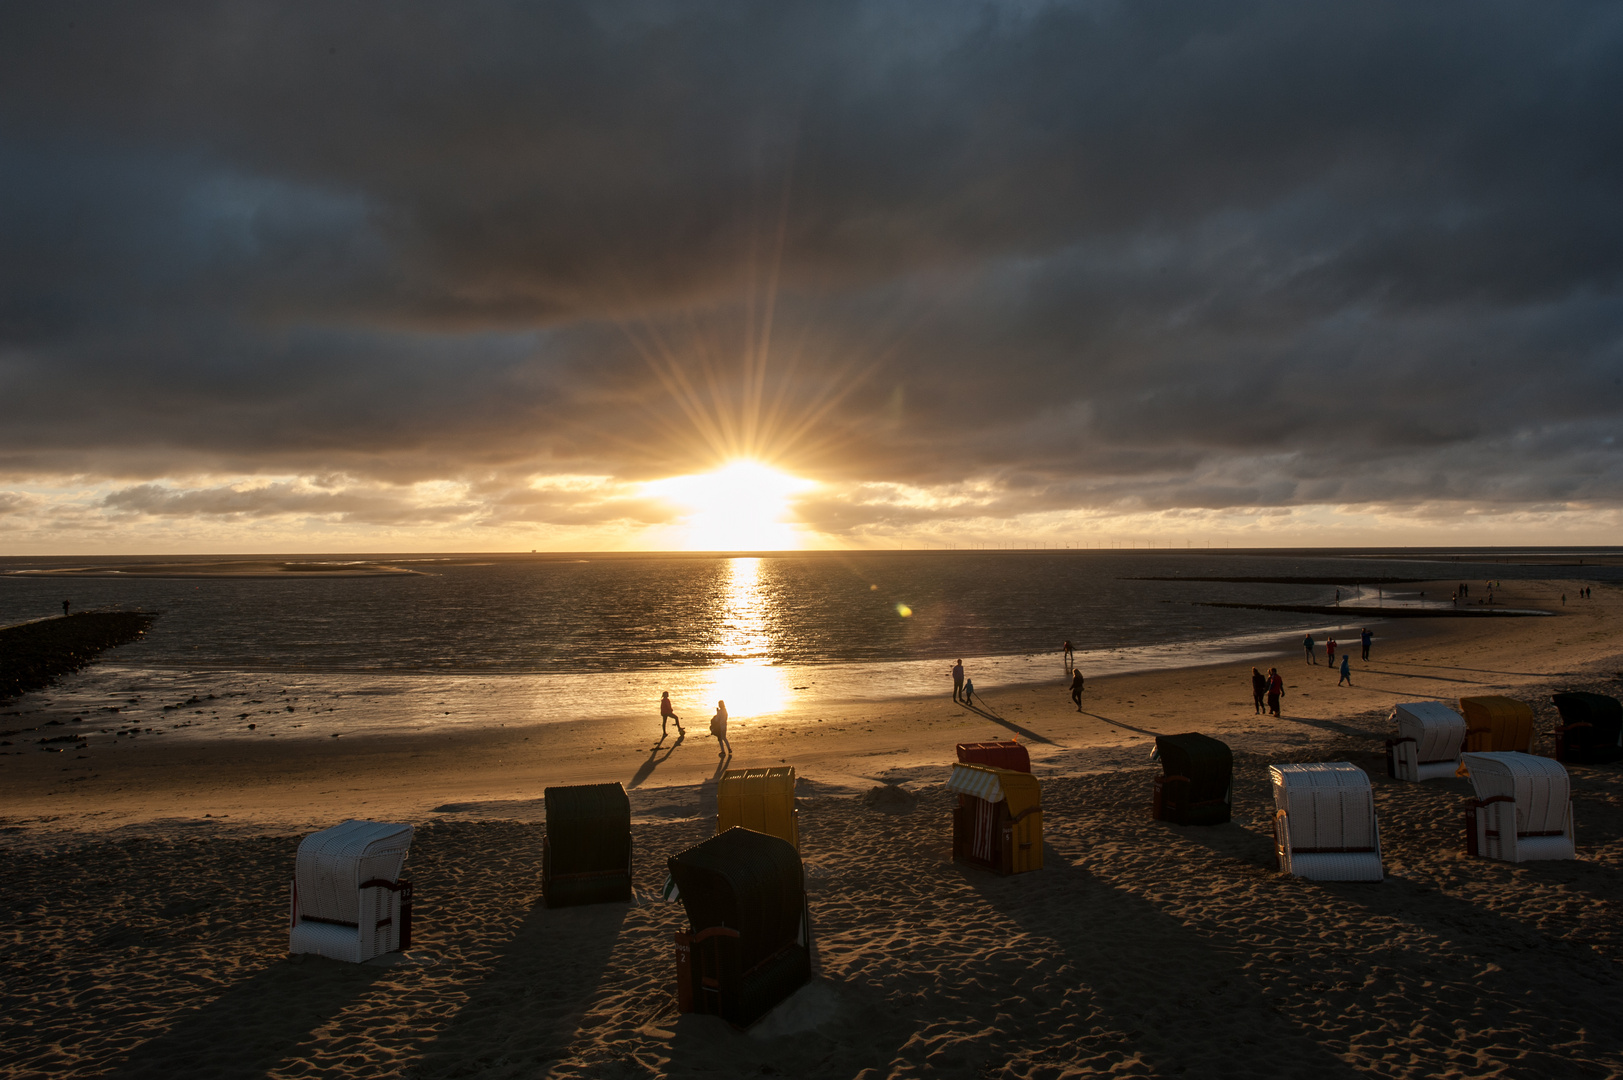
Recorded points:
(510, 276)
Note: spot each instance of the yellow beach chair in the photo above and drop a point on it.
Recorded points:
(762, 800)
(1497, 724)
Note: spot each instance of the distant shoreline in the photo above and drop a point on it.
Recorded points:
(243, 569)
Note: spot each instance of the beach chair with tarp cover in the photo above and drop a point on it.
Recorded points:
(1430, 735)
(1522, 810)
(586, 854)
(1000, 755)
(748, 941)
(1495, 724)
(1197, 781)
(759, 799)
(1591, 731)
(998, 822)
(348, 900)
(1324, 822)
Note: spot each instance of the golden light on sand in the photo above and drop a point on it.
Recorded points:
(743, 506)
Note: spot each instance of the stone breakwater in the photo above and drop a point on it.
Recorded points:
(35, 654)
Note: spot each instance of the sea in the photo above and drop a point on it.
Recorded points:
(557, 637)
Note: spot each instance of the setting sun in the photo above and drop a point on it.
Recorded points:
(743, 506)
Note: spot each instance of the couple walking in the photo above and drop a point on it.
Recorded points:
(718, 724)
(1269, 686)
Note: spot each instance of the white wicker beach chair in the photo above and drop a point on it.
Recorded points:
(1430, 735)
(348, 901)
(1324, 822)
(1522, 810)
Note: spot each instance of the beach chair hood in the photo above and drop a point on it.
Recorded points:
(746, 881)
(1020, 790)
(1494, 723)
(1539, 786)
(1437, 730)
(333, 863)
(1207, 762)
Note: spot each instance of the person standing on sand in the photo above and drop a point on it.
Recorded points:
(1365, 638)
(1307, 643)
(1330, 652)
(667, 714)
(65, 607)
(1276, 690)
(957, 679)
(969, 692)
(1076, 687)
(1067, 654)
(1259, 689)
(718, 728)
(1346, 670)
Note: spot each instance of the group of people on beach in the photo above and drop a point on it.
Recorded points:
(718, 725)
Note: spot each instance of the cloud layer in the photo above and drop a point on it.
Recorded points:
(978, 268)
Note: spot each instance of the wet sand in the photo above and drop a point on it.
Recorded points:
(147, 901)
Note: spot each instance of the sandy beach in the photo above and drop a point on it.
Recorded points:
(149, 887)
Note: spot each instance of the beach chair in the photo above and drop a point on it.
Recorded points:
(759, 799)
(1197, 781)
(1324, 822)
(999, 755)
(998, 822)
(1430, 735)
(586, 853)
(748, 941)
(1522, 810)
(1494, 724)
(1591, 731)
(348, 900)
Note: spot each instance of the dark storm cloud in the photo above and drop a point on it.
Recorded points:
(1141, 255)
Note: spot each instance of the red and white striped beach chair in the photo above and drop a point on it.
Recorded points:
(1324, 822)
(348, 901)
(1522, 810)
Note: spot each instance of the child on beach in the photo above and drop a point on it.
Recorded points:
(969, 691)
(1346, 670)
(667, 714)
(718, 728)
(1067, 654)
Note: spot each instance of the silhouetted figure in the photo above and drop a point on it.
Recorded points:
(957, 680)
(1330, 652)
(1076, 688)
(1307, 643)
(1259, 689)
(1276, 690)
(1365, 638)
(969, 692)
(666, 714)
(64, 609)
(718, 728)
(1068, 654)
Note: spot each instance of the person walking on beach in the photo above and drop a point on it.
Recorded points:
(1276, 690)
(1259, 689)
(969, 692)
(718, 728)
(1365, 638)
(1067, 654)
(667, 714)
(1330, 652)
(1346, 670)
(1307, 643)
(957, 680)
(1076, 687)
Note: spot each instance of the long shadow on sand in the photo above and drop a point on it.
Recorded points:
(655, 760)
(1023, 732)
(1174, 996)
(255, 1024)
(1118, 723)
(527, 1010)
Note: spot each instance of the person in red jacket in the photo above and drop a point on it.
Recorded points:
(666, 715)
(1276, 690)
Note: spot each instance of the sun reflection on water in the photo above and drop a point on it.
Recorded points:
(745, 677)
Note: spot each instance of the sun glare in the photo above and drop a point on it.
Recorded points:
(743, 506)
